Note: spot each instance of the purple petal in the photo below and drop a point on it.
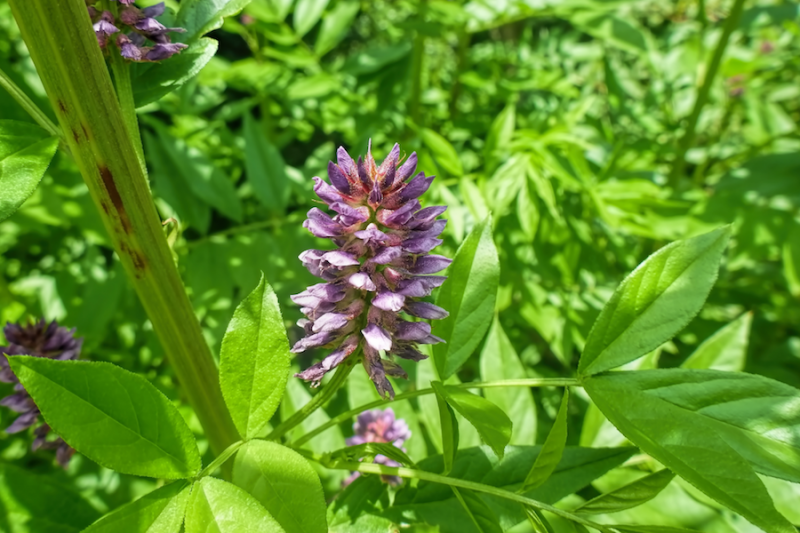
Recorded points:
(330, 322)
(389, 167)
(348, 215)
(23, 422)
(317, 371)
(408, 352)
(63, 454)
(429, 264)
(313, 341)
(361, 166)
(372, 363)
(425, 217)
(149, 25)
(377, 337)
(20, 402)
(338, 178)
(327, 292)
(421, 245)
(161, 51)
(375, 196)
(425, 310)
(340, 259)
(372, 235)
(345, 161)
(407, 168)
(420, 286)
(361, 280)
(399, 217)
(412, 331)
(416, 187)
(387, 255)
(320, 228)
(389, 301)
(326, 193)
(154, 11)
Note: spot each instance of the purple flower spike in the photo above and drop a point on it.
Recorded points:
(380, 426)
(38, 339)
(383, 238)
(160, 52)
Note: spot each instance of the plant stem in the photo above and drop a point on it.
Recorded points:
(687, 140)
(338, 379)
(536, 382)
(122, 82)
(64, 49)
(221, 459)
(408, 473)
(28, 105)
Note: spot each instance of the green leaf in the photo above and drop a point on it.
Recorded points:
(265, 168)
(652, 529)
(449, 425)
(32, 503)
(492, 424)
(687, 420)
(370, 450)
(436, 505)
(500, 135)
(791, 259)
(220, 507)
(254, 361)
(335, 26)
(356, 507)
(444, 153)
(284, 483)
(307, 13)
(724, 350)
(199, 17)
(204, 180)
(469, 296)
(552, 449)
(25, 153)
(537, 521)
(528, 210)
(161, 511)
(112, 416)
(499, 361)
(151, 81)
(630, 495)
(654, 302)
(481, 516)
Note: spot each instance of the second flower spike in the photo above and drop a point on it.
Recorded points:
(379, 269)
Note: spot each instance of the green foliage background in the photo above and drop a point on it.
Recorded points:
(560, 118)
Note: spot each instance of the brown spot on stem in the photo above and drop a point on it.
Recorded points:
(76, 136)
(137, 259)
(116, 199)
(62, 107)
(85, 132)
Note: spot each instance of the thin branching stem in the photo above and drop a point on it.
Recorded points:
(28, 105)
(534, 382)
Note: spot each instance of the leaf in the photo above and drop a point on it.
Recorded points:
(654, 302)
(36, 503)
(306, 14)
(335, 26)
(478, 512)
(652, 529)
(791, 260)
(284, 483)
(552, 449)
(492, 424)
(528, 211)
(296, 397)
(500, 135)
(436, 505)
(469, 296)
(686, 420)
(630, 495)
(444, 153)
(499, 361)
(25, 154)
(724, 350)
(199, 17)
(112, 416)
(203, 179)
(152, 81)
(370, 450)
(220, 507)
(265, 168)
(449, 425)
(254, 361)
(356, 507)
(537, 521)
(161, 511)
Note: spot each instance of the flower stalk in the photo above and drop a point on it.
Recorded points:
(73, 70)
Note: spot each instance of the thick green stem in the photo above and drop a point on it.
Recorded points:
(408, 473)
(28, 105)
(687, 140)
(339, 378)
(64, 49)
(535, 382)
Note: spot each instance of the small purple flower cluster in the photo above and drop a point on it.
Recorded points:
(139, 26)
(380, 426)
(38, 339)
(379, 269)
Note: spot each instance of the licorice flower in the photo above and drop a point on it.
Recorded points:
(38, 339)
(135, 27)
(380, 267)
(380, 426)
